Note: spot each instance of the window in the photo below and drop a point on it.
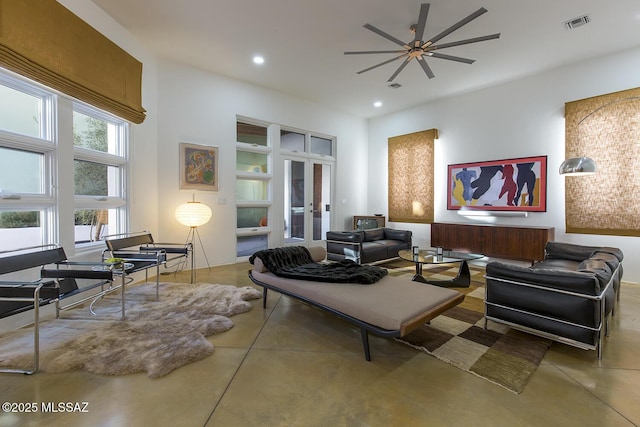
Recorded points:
(99, 172)
(322, 146)
(248, 245)
(27, 199)
(253, 184)
(22, 171)
(247, 161)
(21, 112)
(251, 190)
(292, 141)
(20, 228)
(252, 217)
(284, 186)
(93, 224)
(249, 133)
(36, 176)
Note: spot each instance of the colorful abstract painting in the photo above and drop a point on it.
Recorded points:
(198, 167)
(500, 185)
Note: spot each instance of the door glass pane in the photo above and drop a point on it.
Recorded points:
(291, 141)
(251, 217)
(251, 190)
(251, 134)
(20, 112)
(95, 179)
(93, 224)
(21, 171)
(293, 201)
(321, 146)
(321, 200)
(251, 162)
(20, 229)
(248, 245)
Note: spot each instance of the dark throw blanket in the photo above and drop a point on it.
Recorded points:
(295, 262)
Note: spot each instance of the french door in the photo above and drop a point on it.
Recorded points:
(307, 200)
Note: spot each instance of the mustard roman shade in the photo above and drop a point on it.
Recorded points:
(44, 41)
(605, 128)
(411, 162)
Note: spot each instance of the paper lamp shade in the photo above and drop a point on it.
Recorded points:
(193, 214)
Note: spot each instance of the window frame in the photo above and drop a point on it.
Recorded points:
(58, 202)
(267, 177)
(118, 160)
(45, 202)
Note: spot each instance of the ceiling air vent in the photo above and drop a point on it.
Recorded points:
(577, 22)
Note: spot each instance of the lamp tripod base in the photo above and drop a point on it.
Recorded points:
(191, 237)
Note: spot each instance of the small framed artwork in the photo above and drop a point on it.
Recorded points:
(499, 185)
(198, 167)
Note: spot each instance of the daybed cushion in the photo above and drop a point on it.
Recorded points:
(393, 303)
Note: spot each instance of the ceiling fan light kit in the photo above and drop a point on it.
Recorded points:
(419, 49)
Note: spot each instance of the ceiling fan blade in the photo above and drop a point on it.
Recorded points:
(451, 58)
(425, 67)
(466, 41)
(400, 68)
(362, 52)
(385, 35)
(382, 63)
(457, 25)
(422, 21)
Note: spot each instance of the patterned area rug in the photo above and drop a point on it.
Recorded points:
(498, 354)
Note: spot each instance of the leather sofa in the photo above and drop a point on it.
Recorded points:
(567, 297)
(366, 246)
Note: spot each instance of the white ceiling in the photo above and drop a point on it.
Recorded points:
(303, 42)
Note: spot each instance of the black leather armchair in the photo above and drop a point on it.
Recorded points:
(567, 297)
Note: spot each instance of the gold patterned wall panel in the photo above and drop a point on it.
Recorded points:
(44, 41)
(411, 161)
(607, 129)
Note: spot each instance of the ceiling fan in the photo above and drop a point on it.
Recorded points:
(419, 49)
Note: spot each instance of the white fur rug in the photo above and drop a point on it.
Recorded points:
(156, 337)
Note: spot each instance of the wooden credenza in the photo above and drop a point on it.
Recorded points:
(495, 241)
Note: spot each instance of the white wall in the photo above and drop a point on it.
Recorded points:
(188, 105)
(199, 107)
(517, 119)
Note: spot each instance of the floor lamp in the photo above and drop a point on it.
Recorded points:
(194, 214)
(576, 166)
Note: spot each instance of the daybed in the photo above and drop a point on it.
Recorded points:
(567, 297)
(365, 246)
(390, 307)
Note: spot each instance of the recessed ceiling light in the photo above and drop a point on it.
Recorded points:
(258, 59)
(377, 104)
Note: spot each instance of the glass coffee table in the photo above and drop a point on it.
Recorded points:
(430, 256)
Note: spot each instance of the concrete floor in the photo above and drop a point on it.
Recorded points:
(292, 365)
